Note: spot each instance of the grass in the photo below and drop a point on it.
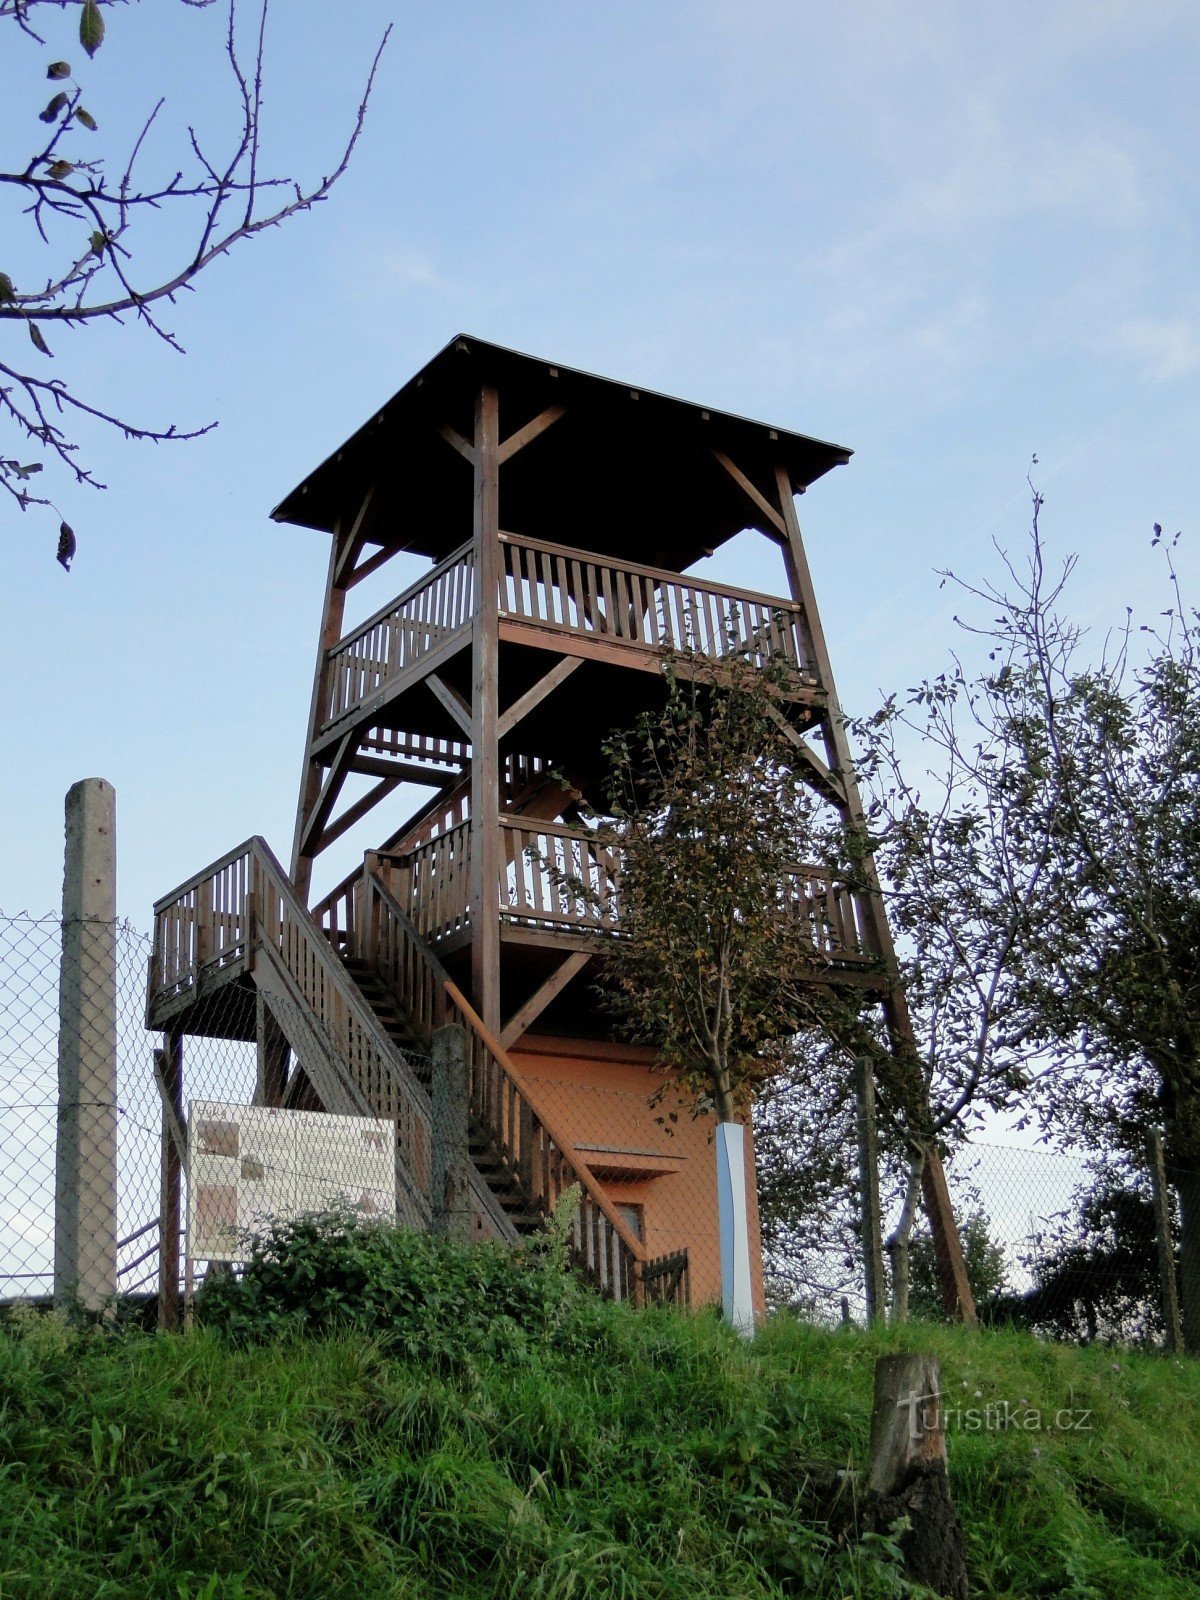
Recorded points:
(556, 1447)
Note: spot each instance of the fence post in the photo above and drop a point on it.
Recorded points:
(451, 1175)
(1166, 1244)
(868, 1189)
(85, 1189)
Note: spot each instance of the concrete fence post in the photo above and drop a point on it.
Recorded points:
(85, 1195)
(451, 1174)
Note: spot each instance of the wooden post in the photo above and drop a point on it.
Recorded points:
(1166, 1243)
(951, 1267)
(906, 1472)
(170, 1072)
(332, 613)
(85, 1189)
(272, 1055)
(450, 1183)
(485, 773)
(868, 1189)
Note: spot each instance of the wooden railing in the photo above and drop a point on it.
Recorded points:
(401, 957)
(558, 876)
(546, 1164)
(200, 925)
(568, 879)
(543, 1162)
(833, 912)
(574, 591)
(246, 900)
(377, 651)
(432, 882)
(665, 1280)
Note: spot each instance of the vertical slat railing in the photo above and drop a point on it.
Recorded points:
(574, 591)
(545, 1162)
(391, 641)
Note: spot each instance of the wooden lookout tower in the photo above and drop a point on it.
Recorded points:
(562, 514)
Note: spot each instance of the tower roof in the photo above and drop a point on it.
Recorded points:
(626, 472)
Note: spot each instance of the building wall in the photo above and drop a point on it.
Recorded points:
(659, 1161)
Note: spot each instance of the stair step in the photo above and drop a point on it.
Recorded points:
(492, 1168)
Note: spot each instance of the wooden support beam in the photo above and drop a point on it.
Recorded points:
(310, 778)
(453, 702)
(485, 756)
(168, 1077)
(546, 684)
(457, 442)
(364, 569)
(776, 526)
(356, 812)
(531, 431)
(523, 1019)
(380, 767)
(335, 778)
(823, 777)
(352, 548)
(951, 1266)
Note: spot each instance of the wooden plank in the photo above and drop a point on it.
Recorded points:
(776, 526)
(532, 430)
(450, 699)
(485, 768)
(352, 547)
(621, 652)
(522, 1019)
(533, 697)
(326, 799)
(456, 441)
(332, 613)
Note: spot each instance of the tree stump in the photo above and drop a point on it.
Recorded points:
(907, 1477)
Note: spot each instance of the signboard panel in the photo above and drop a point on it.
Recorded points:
(249, 1164)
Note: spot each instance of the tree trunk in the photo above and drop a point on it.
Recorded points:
(897, 1245)
(907, 1475)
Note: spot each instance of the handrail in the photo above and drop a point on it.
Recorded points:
(712, 585)
(408, 594)
(246, 902)
(269, 912)
(538, 1153)
(198, 878)
(422, 620)
(547, 1171)
(577, 592)
(401, 957)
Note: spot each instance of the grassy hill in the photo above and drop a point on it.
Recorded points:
(404, 1419)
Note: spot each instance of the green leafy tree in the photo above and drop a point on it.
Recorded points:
(100, 242)
(986, 1268)
(723, 949)
(1043, 869)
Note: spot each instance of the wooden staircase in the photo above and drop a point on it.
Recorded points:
(358, 997)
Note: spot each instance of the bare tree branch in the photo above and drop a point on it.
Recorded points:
(91, 228)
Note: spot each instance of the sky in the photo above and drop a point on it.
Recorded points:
(950, 237)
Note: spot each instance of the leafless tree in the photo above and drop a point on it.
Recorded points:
(87, 220)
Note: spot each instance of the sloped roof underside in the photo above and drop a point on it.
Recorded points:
(625, 472)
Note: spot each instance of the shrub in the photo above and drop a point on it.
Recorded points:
(424, 1298)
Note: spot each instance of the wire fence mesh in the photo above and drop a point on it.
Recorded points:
(30, 990)
(1061, 1242)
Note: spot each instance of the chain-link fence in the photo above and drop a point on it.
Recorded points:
(1068, 1245)
(31, 1110)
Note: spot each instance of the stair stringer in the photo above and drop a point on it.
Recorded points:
(341, 1096)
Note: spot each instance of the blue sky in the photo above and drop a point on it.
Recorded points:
(947, 236)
